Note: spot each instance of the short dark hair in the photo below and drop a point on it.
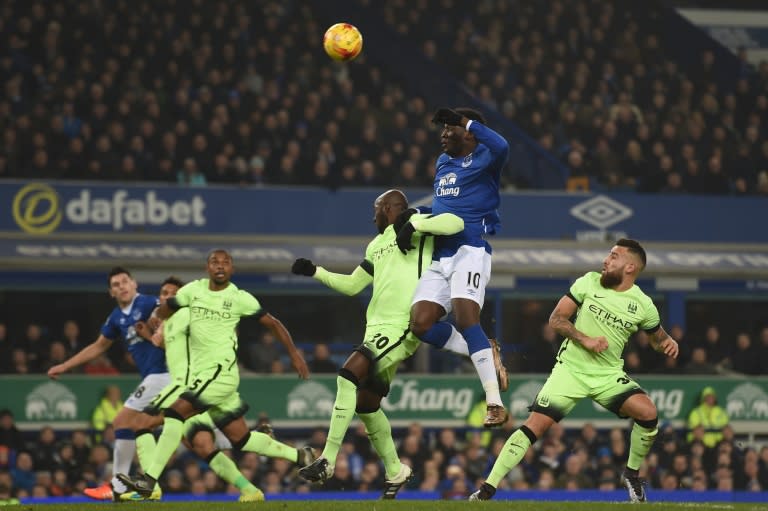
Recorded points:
(634, 247)
(471, 114)
(174, 281)
(117, 270)
(216, 251)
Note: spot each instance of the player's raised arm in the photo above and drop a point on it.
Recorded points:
(348, 284)
(93, 350)
(278, 330)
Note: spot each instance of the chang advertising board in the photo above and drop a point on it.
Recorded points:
(40, 208)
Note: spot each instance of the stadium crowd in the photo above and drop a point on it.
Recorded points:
(448, 461)
(237, 92)
(33, 348)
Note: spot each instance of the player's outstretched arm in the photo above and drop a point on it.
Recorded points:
(348, 284)
(87, 354)
(560, 321)
(663, 343)
(443, 224)
(279, 331)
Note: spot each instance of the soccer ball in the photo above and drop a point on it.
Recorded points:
(343, 42)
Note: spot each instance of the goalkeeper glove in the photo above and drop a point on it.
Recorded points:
(403, 217)
(303, 266)
(447, 116)
(404, 237)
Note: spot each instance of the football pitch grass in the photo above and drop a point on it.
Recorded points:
(398, 505)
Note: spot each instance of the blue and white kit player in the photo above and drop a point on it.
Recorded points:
(467, 185)
(131, 308)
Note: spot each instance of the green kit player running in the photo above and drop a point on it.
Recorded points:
(216, 306)
(610, 309)
(366, 375)
(173, 336)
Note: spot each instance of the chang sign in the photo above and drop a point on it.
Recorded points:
(39, 209)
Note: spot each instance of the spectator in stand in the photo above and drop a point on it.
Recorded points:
(71, 337)
(5, 349)
(35, 344)
(717, 350)
(44, 452)
(107, 409)
(706, 421)
(23, 473)
(321, 360)
(744, 358)
(10, 436)
(699, 363)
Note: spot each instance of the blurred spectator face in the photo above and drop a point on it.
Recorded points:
(71, 329)
(24, 461)
(57, 353)
(669, 482)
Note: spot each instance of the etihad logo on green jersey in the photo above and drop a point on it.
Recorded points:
(199, 313)
(609, 318)
(386, 250)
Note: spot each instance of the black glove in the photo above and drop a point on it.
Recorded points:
(303, 266)
(403, 217)
(404, 237)
(447, 116)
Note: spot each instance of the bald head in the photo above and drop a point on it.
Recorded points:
(386, 208)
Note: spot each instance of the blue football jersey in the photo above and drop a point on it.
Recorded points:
(468, 187)
(120, 326)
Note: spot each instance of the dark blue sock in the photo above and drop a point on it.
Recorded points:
(438, 335)
(124, 434)
(476, 338)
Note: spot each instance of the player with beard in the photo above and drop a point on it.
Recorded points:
(610, 309)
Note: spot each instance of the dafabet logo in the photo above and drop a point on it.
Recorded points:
(39, 209)
(36, 209)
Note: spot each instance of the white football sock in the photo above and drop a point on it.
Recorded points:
(123, 457)
(483, 361)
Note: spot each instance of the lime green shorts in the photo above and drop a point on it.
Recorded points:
(166, 397)
(564, 389)
(386, 346)
(215, 390)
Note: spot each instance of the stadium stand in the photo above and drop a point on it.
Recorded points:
(205, 93)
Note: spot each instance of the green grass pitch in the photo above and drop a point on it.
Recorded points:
(401, 505)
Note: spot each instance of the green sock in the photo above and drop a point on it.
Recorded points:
(225, 468)
(264, 444)
(640, 442)
(380, 433)
(513, 451)
(343, 411)
(145, 448)
(166, 445)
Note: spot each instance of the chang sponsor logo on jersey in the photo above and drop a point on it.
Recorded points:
(51, 400)
(39, 209)
(446, 186)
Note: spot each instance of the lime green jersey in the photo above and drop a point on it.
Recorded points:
(615, 315)
(394, 276)
(176, 338)
(213, 317)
